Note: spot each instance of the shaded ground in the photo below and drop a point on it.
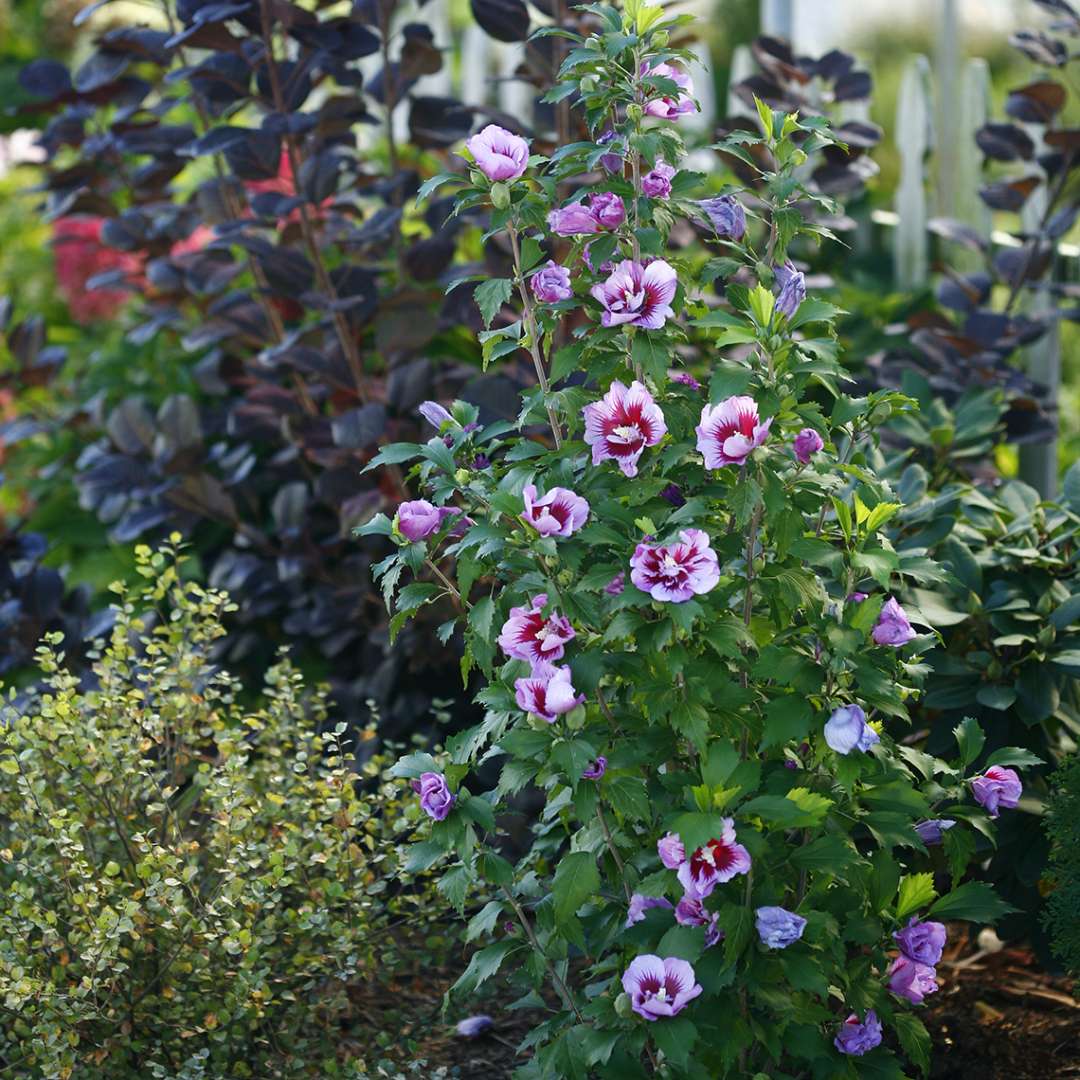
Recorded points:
(996, 1017)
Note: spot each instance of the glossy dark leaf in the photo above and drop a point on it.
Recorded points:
(256, 156)
(957, 232)
(26, 339)
(1004, 142)
(438, 122)
(1041, 48)
(100, 70)
(504, 20)
(1036, 103)
(1009, 194)
(45, 78)
(359, 428)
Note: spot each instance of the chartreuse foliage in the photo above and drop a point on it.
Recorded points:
(188, 883)
(706, 677)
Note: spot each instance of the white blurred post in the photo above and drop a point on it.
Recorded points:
(742, 67)
(515, 95)
(914, 137)
(948, 113)
(778, 19)
(475, 66)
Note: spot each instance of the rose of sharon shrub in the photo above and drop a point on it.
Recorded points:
(706, 678)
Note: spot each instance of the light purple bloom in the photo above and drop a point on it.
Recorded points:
(547, 693)
(922, 942)
(498, 153)
(435, 798)
(472, 1026)
(435, 414)
(608, 209)
(911, 980)
(656, 183)
(671, 851)
(559, 513)
(670, 108)
(857, 1039)
(675, 573)
(892, 627)
(857, 597)
(660, 988)
(616, 585)
(418, 519)
(573, 220)
(730, 431)
(997, 787)
(551, 283)
(930, 832)
(612, 162)
(621, 424)
(778, 928)
(716, 861)
(640, 904)
(686, 379)
(690, 911)
(807, 443)
(847, 730)
(528, 635)
(596, 769)
(726, 215)
(792, 285)
(637, 295)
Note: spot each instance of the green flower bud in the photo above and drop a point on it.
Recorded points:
(500, 196)
(635, 113)
(623, 1007)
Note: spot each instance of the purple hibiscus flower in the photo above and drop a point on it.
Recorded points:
(558, 513)
(573, 220)
(730, 431)
(608, 209)
(528, 635)
(847, 730)
(690, 911)
(547, 693)
(656, 183)
(792, 286)
(675, 573)
(807, 443)
(857, 1038)
(498, 153)
(716, 861)
(777, 927)
(597, 769)
(726, 215)
(613, 162)
(660, 988)
(637, 295)
(436, 799)
(930, 832)
(892, 626)
(671, 851)
(621, 424)
(435, 414)
(639, 904)
(997, 787)
(671, 108)
(911, 980)
(551, 283)
(418, 519)
(473, 1026)
(616, 585)
(922, 942)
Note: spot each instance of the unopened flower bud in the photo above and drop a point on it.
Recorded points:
(634, 113)
(623, 1007)
(462, 476)
(660, 39)
(500, 196)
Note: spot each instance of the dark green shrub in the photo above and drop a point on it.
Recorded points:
(188, 881)
(1063, 829)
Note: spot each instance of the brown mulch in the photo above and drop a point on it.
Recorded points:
(997, 1016)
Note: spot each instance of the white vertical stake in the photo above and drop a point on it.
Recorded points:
(778, 19)
(974, 112)
(914, 136)
(475, 66)
(441, 84)
(947, 116)
(742, 67)
(515, 95)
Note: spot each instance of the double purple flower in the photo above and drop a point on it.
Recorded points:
(656, 183)
(997, 787)
(436, 799)
(547, 693)
(726, 215)
(602, 211)
(777, 927)
(857, 1038)
(418, 519)
(551, 283)
(675, 573)
(498, 153)
(621, 424)
(807, 443)
(637, 295)
(892, 627)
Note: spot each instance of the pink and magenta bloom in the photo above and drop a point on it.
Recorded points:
(807, 443)
(730, 431)
(551, 283)
(857, 1038)
(892, 627)
(726, 215)
(639, 904)
(608, 209)
(792, 286)
(847, 730)
(777, 927)
(498, 153)
(911, 980)
(637, 295)
(621, 424)
(690, 911)
(997, 787)
(418, 519)
(922, 942)
(597, 769)
(558, 513)
(547, 693)
(656, 183)
(671, 108)
(436, 799)
(713, 863)
(660, 988)
(671, 851)
(675, 573)
(531, 636)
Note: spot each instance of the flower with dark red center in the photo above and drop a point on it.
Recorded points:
(529, 635)
(597, 769)
(660, 988)
(730, 431)
(675, 573)
(637, 295)
(622, 424)
(716, 861)
(690, 911)
(547, 693)
(559, 513)
(997, 787)
(639, 904)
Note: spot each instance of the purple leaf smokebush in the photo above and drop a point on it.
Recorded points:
(660, 988)
(499, 154)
